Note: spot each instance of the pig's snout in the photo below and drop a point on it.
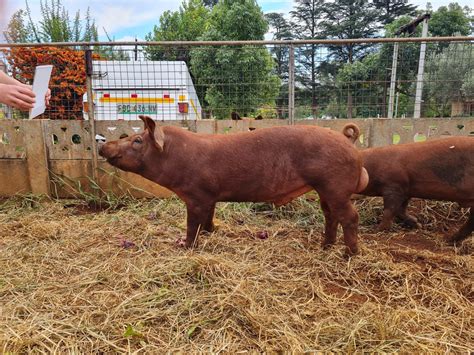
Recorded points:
(109, 151)
(100, 145)
(106, 150)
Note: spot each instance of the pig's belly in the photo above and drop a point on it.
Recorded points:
(463, 195)
(286, 198)
(277, 196)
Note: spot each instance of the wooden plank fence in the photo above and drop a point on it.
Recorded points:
(54, 158)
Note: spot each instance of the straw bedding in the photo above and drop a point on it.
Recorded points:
(74, 279)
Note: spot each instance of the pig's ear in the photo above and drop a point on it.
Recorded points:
(155, 131)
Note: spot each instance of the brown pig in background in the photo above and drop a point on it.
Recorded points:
(441, 169)
(272, 165)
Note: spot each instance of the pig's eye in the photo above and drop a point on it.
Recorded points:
(138, 141)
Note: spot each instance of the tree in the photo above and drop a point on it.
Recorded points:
(467, 88)
(451, 20)
(235, 78)
(186, 24)
(358, 78)
(345, 19)
(306, 20)
(449, 78)
(281, 30)
(17, 31)
(391, 10)
(55, 25)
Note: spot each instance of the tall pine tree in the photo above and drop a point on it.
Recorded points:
(348, 19)
(281, 30)
(307, 17)
(390, 10)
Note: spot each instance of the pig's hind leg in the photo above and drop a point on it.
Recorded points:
(465, 231)
(330, 226)
(341, 211)
(209, 225)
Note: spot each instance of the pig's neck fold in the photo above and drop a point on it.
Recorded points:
(169, 168)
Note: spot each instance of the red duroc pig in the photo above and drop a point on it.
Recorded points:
(441, 169)
(272, 165)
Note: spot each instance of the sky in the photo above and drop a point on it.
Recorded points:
(126, 19)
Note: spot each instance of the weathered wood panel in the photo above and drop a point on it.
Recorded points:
(14, 177)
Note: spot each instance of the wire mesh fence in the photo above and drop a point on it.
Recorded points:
(279, 80)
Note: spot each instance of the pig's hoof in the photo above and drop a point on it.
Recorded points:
(412, 223)
(351, 250)
(209, 229)
(181, 242)
(454, 239)
(327, 244)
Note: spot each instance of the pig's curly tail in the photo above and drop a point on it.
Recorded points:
(351, 131)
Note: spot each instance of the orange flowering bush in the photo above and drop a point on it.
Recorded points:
(68, 78)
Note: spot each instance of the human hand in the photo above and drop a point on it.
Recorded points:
(18, 96)
(47, 97)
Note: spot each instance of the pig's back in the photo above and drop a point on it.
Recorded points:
(440, 169)
(275, 163)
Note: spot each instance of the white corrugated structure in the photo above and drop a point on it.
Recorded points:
(162, 90)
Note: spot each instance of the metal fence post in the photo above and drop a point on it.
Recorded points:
(393, 79)
(91, 109)
(421, 69)
(291, 85)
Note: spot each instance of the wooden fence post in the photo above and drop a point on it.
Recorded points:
(37, 157)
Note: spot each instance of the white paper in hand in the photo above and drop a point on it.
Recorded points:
(40, 87)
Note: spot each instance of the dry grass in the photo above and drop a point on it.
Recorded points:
(68, 283)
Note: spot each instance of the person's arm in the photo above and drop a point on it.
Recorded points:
(16, 94)
(5, 79)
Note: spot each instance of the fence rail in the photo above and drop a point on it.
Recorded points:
(240, 43)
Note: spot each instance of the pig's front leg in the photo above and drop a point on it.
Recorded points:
(392, 204)
(197, 219)
(407, 219)
(209, 225)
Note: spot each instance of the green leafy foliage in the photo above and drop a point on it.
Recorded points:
(449, 77)
(186, 24)
(55, 25)
(246, 72)
(451, 20)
